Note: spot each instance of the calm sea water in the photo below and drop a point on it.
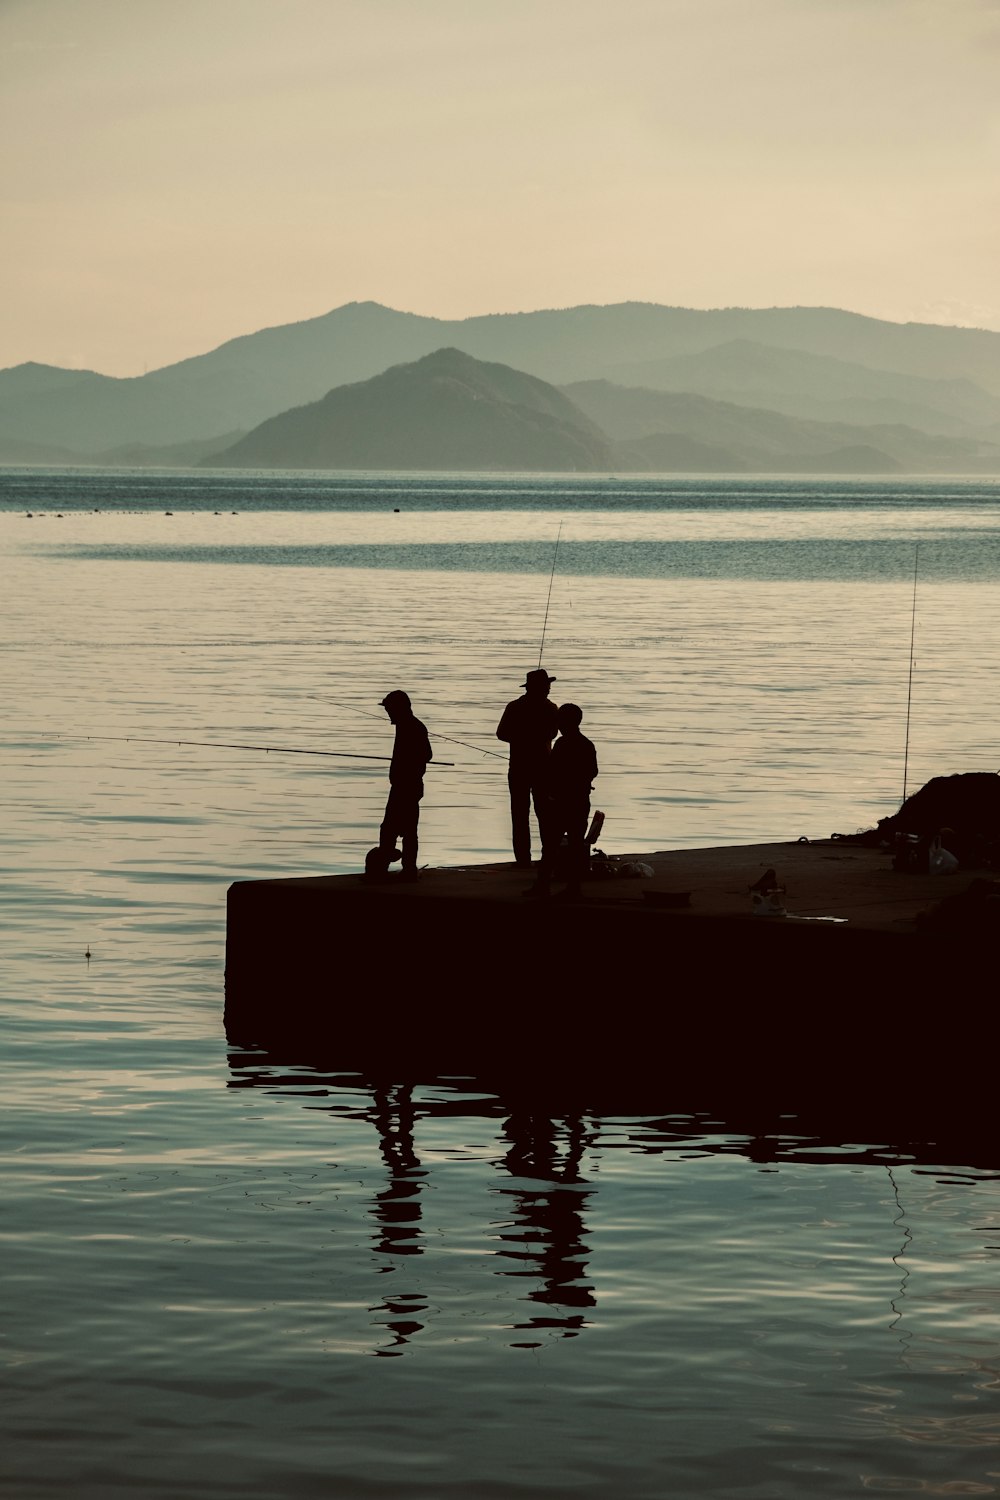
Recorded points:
(226, 1275)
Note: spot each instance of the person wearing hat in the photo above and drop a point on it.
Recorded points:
(410, 753)
(529, 725)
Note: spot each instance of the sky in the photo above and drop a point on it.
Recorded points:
(174, 173)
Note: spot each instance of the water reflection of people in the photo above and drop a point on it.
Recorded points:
(546, 1234)
(541, 1240)
(396, 1209)
(529, 725)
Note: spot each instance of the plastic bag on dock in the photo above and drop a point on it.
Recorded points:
(940, 861)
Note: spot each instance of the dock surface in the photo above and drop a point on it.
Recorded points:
(827, 879)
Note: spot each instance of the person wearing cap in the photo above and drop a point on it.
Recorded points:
(410, 753)
(570, 774)
(529, 725)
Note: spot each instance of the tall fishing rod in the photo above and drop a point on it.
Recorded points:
(143, 739)
(548, 599)
(448, 738)
(909, 685)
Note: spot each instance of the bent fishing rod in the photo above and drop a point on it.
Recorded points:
(548, 599)
(448, 738)
(144, 739)
(909, 684)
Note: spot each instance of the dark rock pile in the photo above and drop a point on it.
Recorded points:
(967, 805)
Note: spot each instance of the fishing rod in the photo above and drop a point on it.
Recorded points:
(143, 739)
(548, 599)
(909, 685)
(449, 739)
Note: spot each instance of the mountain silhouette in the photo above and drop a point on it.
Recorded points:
(445, 411)
(757, 439)
(803, 384)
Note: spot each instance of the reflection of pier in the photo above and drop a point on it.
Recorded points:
(543, 1192)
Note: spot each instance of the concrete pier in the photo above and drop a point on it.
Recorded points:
(623, 993)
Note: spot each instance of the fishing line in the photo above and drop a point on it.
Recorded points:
(142, 739)
(449, 739)
(909, 685)
(548, 600)
(905, 1334)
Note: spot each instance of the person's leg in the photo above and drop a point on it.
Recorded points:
(391, 824)
(576, 839)
(551, 822)
(409, 819)
(540, 803)
(520, 805)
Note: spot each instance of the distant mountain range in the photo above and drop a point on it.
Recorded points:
(642, 387)
(450, 411)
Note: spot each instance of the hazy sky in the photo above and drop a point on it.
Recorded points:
(177, 172)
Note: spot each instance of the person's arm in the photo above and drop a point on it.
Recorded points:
(414, 747)
(505, 727)
(585, 761)
(418, 746)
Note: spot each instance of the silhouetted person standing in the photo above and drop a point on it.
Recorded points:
(410, 754)
(571, 770)
(529, 725)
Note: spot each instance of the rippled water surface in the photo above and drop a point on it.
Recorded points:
(233, 1274)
